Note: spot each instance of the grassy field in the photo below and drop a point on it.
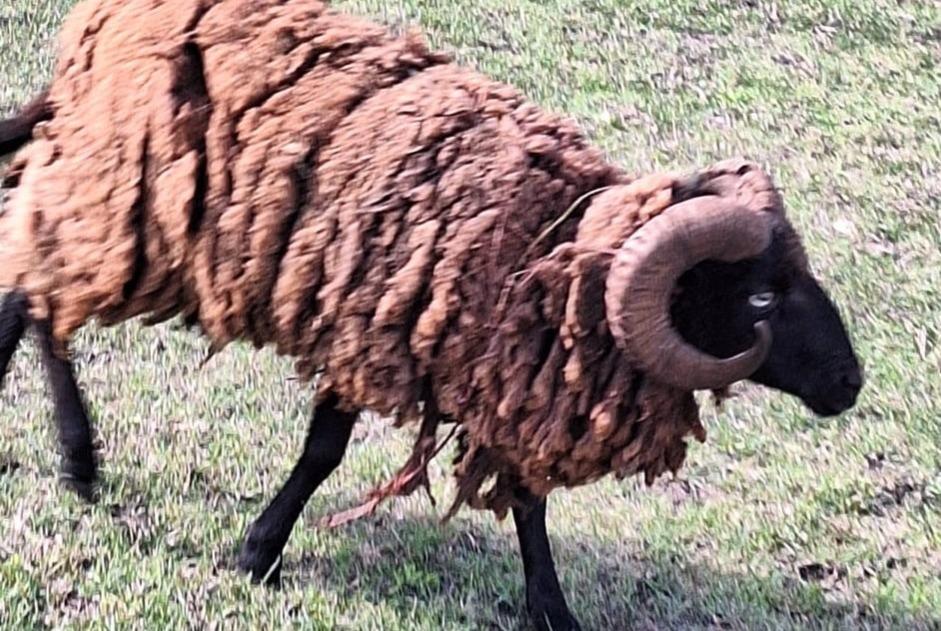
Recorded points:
(780, 521)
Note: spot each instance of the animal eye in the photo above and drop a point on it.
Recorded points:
(762, 300)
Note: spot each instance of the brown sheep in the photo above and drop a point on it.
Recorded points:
(422, 238)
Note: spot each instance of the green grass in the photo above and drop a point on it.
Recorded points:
(780, 521)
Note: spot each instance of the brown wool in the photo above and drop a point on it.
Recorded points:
(404, 227)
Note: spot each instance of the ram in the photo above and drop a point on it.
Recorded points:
(426, 242)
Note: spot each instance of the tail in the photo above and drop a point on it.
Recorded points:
(17, 131)
(14, 133)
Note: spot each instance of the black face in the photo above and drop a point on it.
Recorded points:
(811, 356)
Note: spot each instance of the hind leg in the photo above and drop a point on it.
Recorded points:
(79, 468)
(12, 327)
(327, 437)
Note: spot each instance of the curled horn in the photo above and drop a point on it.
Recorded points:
(645, 270)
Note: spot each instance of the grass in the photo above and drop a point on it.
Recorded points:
(780, 521)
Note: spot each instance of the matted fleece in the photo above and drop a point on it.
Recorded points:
(420, 236)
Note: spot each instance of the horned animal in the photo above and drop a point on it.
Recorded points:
(426, 242)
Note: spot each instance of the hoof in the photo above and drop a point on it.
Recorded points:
(545, 623)
(553, 617)
(80, 478)
(261, 563)
(83, 488)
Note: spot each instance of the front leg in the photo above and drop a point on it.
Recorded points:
(544, 597)
(324, 446)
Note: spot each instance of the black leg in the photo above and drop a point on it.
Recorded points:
(327, 438)
(12, 326)
(79, 468)
(544, 596)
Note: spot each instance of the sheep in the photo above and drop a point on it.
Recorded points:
(422, 239)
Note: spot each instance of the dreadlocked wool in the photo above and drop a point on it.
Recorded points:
(418, 235)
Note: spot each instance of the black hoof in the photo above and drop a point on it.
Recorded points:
(553, 617)
(261, 563)
(80, 477)
(82, 488)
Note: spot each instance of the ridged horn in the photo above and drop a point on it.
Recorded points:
(645, 271)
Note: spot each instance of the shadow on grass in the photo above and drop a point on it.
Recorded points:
(468, 575)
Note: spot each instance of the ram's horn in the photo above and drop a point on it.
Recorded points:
(645, 271)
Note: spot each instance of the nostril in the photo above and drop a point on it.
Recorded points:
(852, 379)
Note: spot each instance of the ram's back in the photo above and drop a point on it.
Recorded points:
(284, 173)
